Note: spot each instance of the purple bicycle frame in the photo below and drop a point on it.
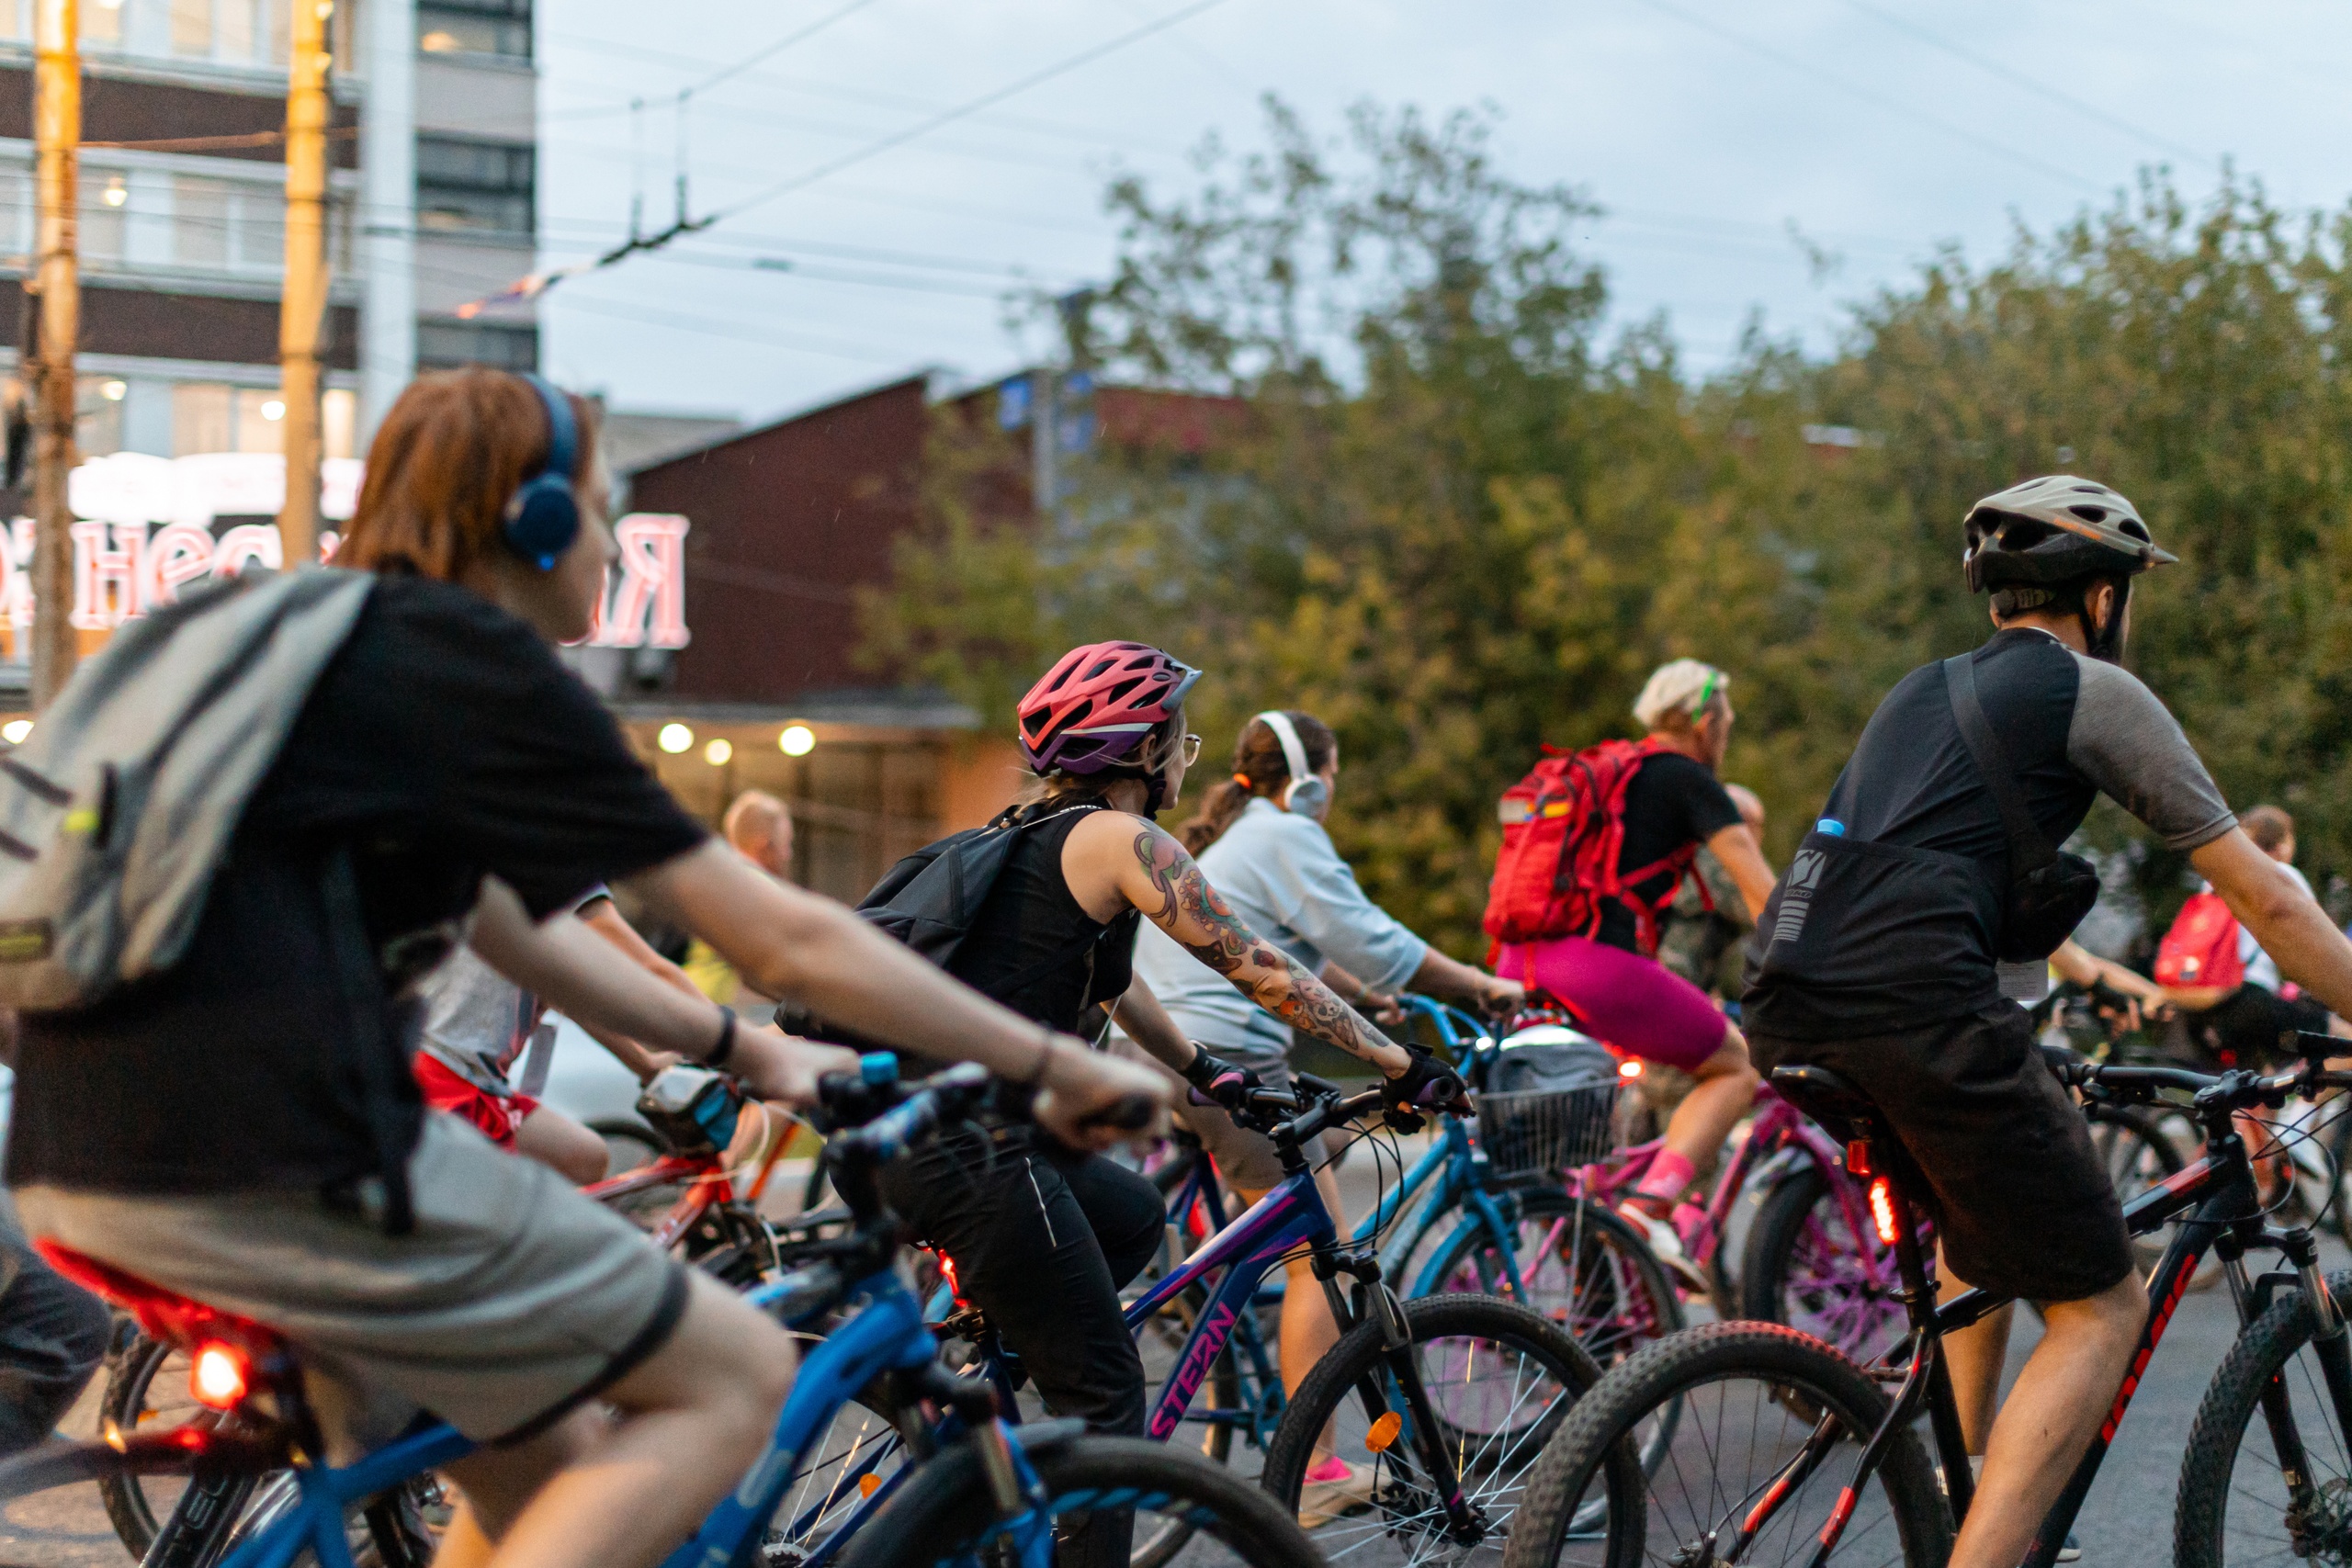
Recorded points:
(1778, 1125)
(1247, 1250)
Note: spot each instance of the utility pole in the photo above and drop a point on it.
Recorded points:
(56, 139)
(303, 307)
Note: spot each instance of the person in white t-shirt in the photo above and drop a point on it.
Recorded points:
(484, 1044)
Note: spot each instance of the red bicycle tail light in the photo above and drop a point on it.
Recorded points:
(1630, 1069)
(1883, 1211)
(218, 1377)
(954, 1286)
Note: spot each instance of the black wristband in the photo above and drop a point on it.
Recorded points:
(726, 1047)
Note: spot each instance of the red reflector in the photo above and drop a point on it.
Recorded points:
(218, 1379)
(1858, 1157)
(1883, 1211)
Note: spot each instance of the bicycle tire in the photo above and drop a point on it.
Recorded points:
(1779, 1270)
(1798, 1367)
(2339, 1154)
(1620, 1298)
(1491, 1464)
(132, 1372)
(945, 1512)
(2210, 1479)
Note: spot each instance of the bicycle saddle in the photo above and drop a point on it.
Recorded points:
(1845, 1112)
(163, 1314)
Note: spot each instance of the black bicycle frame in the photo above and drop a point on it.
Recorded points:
(2217, 1194)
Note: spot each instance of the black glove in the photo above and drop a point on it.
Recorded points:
(1221, 1082)
(1428, 1085)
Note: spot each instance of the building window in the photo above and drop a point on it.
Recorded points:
(475, 27)
(192, 28)
(101, 24)
(211, 416)
(477, 186)
(497, 344)
(200, 220)
(97, 415)
(104, 193)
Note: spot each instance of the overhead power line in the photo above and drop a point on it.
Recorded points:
(778, 47)
(539, 283)
(1870, 96)
(2057, 96)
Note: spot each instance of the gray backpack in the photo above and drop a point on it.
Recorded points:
(117, 809)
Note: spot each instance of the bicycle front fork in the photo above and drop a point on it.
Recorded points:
(1374, 1301)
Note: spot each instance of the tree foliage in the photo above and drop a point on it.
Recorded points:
(1459, 524)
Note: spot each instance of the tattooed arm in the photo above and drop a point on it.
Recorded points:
(1157, 877)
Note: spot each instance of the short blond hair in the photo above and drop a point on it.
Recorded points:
(1680, 692)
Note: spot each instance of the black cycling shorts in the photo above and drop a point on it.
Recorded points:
(2002, 1154)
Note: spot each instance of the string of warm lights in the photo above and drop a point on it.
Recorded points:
(796, 740)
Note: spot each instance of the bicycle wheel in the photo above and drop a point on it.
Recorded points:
(1750, 1395)
(946, 1516)
(1500, 1379)
(833, 1477)
(1584, 1268)
(146, 1389)
(2235, 1504)
(1803, 1268)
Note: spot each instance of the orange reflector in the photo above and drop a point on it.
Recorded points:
(1384, 1432)
(868, 1484)
(1883, 1209)
(218, 1379)
(1629, 1068)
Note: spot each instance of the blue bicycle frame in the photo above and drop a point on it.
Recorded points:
(889, 1334)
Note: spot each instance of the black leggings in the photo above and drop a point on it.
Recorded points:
(1042, 1239)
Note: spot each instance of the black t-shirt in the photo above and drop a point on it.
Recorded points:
(445, 742)
(1889, 916)
(1032, 927)
(1672, 802)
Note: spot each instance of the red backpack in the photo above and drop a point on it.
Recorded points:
(2201, 949)
(1564, 827)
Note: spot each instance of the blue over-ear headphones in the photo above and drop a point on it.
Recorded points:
(542, 518)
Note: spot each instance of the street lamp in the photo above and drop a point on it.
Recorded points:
(717, 752)
(798, 740)
(674, 738)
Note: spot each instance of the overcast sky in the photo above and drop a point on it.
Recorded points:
(1879, 129)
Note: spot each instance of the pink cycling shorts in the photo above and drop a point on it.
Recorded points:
(1634, 1003)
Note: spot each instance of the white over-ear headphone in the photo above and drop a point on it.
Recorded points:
(1307, 793)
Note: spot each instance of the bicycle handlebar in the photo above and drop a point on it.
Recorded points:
(2238, 1089)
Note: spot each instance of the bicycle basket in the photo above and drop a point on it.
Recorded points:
(1547, 1132)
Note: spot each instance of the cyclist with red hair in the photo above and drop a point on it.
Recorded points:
(1044, 1236)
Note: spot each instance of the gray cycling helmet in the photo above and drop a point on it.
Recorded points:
(2056, 529)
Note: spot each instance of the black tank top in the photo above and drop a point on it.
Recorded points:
(1030, 918)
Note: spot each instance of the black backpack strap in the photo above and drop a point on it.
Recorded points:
(2030, 847)
(374, 1061)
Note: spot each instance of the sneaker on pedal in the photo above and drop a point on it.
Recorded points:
(1333, 1490)
(2072, 1551)
(1665, 1244)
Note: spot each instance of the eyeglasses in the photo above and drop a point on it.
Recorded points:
(1191, 753)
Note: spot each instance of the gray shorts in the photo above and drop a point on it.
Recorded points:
(514, 1301)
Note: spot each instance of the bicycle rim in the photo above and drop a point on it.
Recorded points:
(1497, 1393)
(856, 1453)
(1740, 1433)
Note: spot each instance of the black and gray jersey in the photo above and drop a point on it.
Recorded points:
(1889, 915)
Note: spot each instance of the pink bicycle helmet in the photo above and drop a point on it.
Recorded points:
(1095, 705)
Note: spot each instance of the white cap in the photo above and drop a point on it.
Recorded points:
(1685, 686)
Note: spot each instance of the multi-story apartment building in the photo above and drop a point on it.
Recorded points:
(433, 173)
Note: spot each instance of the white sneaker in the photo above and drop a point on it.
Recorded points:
(2072, 1551)
(1323, 1502)
(1666, 1245)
